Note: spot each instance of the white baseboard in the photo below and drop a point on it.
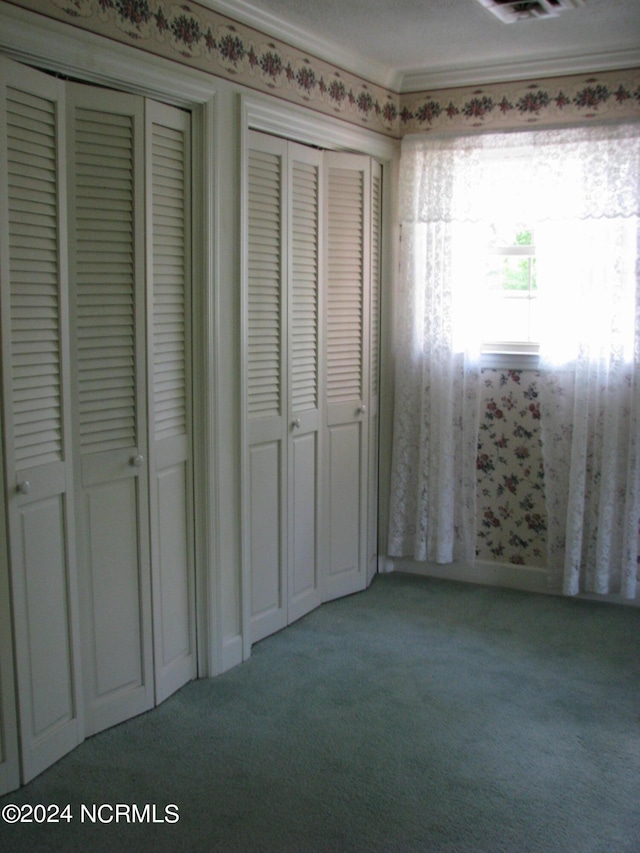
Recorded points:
(526, 578)
(507, 575)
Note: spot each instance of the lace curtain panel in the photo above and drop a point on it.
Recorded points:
(580, 189)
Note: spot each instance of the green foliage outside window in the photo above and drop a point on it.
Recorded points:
(512, 272)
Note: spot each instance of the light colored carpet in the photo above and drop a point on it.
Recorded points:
(421, 715)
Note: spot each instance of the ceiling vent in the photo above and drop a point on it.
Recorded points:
(509, 11)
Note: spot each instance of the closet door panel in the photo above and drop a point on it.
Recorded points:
(169, 323)
(173, 613)
(304, 346)
(347, 371)
(374, 372)
(9, 767)
(268, 604)
(106, 138)
(115, 603)
(303, 513)
(344, 544)
(38, 465)
(265, 405)
(45, 586)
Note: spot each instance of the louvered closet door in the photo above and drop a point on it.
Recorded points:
(9, 768)
(347, 206)
(169, 322)
(304, 478)
(38, 462)
(374, 371)
(265, 405)
(106, 139)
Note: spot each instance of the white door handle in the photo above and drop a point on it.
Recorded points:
(295, 423)
(363, 409)
(24, 487)
(137, 461)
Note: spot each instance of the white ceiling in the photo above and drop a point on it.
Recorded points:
(409, 45)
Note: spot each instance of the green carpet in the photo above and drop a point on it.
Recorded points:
(421, 715)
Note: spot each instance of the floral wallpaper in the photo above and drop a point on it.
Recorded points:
(196, 36)
(511, 516)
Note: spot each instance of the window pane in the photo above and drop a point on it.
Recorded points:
(507, 318)
(509, 273)
(510, 299)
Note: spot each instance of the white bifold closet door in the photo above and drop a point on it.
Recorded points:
(374, 371)
(129, 207)
(96, 413)
(169, 395)
(282, 351)
(311, 320)
(9, 765)
(347, 213)
(37, 420)
(107, 233)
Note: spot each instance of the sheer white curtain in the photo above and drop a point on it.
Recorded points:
(432, 508)
(580, 189)
(590, 404)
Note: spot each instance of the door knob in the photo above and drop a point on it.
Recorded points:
(295, 423)
(362, 409)
(137, 461)
(24, 487)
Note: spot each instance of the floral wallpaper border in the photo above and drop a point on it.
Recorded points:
(608, 95)
(201, 38)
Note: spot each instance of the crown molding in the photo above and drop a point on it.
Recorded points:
(441, 78)
(269, 25)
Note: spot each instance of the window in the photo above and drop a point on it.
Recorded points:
(534, 235)
(495, 282)
(511, 318)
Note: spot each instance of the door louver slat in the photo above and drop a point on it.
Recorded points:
(105, 280)
(344, 296)
(169, 270)
(34, 272)
(264, 268)
(304, 341)
(374, 334)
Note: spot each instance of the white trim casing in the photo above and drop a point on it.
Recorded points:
(302, 125)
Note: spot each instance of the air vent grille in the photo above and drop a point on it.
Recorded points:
(509, 11)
